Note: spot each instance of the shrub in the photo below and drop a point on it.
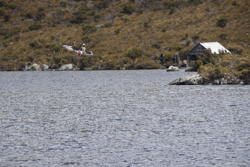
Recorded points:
(245, 76)
(107, 25)
(3, 4)
(145, 63)
(236, 51)
(8, 33)
(36, 45)
(223, 36)
(78, 19)
(117, 31)
(206, 58)
(2, 12)
(86, 39)
(54, 48)
(156, 46)
(88, 29)
(6, 18)
(221, 23)
(7, 5)
(146, 25)
(172, 4)
(35, 27)
(134, 53)
(102, 4)
(28, 15)
(212, 72)
(39, 15)
(63, 4)
(128, 9)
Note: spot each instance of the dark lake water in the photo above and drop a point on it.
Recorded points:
(121, 119)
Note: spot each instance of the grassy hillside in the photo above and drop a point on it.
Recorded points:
(123, 34)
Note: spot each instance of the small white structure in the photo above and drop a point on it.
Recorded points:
(201, 48)
(172, 68)
(66, 67)
(214, 47)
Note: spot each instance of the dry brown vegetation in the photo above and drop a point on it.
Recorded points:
(34, 31)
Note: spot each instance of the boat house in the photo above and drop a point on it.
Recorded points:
(201, 48)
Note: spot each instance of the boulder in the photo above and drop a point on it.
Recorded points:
(173, 68)
(33, 67)
(188, 80)
(44, 67)
(227, 80)
(66, 67)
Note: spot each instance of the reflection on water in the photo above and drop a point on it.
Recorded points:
(121, 119)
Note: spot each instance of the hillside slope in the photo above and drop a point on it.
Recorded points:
(124, 34)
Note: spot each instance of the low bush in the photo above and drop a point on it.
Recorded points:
(128, 9)
(134, 53)
(35, 27)
(212, 72)
(221, 23)
(2, 12)
(145, 63)
(88, 29)
(6, 33)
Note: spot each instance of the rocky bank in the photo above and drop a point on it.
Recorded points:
(197, 79)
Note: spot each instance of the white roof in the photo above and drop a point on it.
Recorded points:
(215, 47)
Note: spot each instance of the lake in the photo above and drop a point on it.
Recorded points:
(121, 119)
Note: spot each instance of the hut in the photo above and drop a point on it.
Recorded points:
(201, 48)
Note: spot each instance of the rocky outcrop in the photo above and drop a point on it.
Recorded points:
(226, 80)
(188, 80)
(44, 67)
(33, 67)
(66, 67)
(36, 67)
(172, 68)
(198, 80)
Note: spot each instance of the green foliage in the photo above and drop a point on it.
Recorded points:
(134, 53)
(212, 72)
(7, 33)
(145, 63)
(2, 12)
(7, 5)
(221, 23)
(82, 14)
(245, 76)
(236, 51)
(102, 4)
(78, 19)
(227, 66)
(172, 4)
(54, 48)
(88, 29)
(6, 18)
(206, 58)
(35, 27)
(128, 9)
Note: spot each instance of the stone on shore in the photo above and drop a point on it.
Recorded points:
(188, 80)
(66, 67)
(33, 67)
(44, 67)
(172, 68)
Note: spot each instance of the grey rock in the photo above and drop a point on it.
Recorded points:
(227, 80)
(33, 67)
(44, 67)
(172, 68)
(66, 67)
(188, 80)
